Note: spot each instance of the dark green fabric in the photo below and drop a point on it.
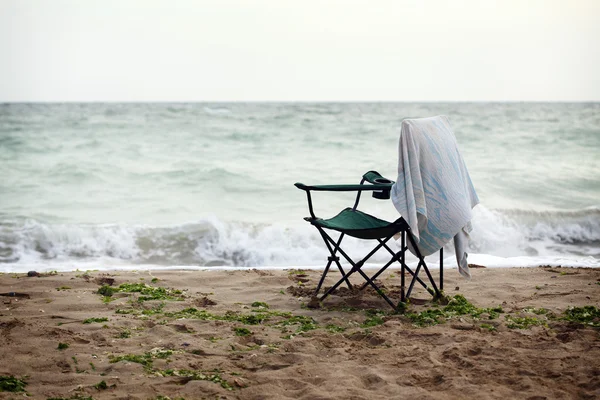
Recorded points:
(358, 224)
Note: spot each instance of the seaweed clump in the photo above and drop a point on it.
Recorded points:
(146, 292)
(12, 384)
(587, 315)
(457, 306)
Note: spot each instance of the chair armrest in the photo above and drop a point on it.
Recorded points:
(380, 186)
(343, 188)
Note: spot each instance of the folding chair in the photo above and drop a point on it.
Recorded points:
(358, 224)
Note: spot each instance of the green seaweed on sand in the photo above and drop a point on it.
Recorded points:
(210, 376)
(304, 323)
(124, 334)
(457, 306)
(587, 315)
(273, 318)
(130, 311)
(106, 291)
(146, 292)
(145, 359)
(335, 328)
(242, 331)
(297, 272)
(101, 385)
(158, 309)
(63, 346)
(489, 327)
(427, 317)
(95, 320)
(12, 384)
(537, 311)
(193, 313)
(260, 304)
(374, 318)
(513, 322)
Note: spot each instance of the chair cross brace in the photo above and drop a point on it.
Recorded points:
(334, 248)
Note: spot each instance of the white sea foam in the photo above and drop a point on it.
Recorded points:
(498, 239)
(217, 110)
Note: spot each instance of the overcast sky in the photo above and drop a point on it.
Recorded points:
(304, 50)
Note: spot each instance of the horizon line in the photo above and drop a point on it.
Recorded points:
(4, 102)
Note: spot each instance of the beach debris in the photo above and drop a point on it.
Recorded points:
(32, 274)
(182, 328)
(104, 280)
(463, 327)
(241, 383)
(16, 294)
(314, 303)
(476, 266)
(102, 385)
(261, 273)
(204, 302)
(298, 275)
(301, 291)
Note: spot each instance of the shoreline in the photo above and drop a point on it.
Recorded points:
(252, 336)
(487, 261)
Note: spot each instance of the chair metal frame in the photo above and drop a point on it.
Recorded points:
(380, 187)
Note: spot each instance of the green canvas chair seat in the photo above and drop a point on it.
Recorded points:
(355, 223)
(358, 224)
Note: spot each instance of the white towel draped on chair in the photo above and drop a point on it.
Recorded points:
(434, 192)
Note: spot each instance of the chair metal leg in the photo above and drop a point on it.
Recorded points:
(331, 259)
(442, 269)
(402, 267)
(421, 264)
(327, 239)
(405, 266)
(357, 267)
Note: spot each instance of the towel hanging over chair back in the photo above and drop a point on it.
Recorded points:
(434, 192)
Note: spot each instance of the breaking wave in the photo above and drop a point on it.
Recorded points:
(215, 242)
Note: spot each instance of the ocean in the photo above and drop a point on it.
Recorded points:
(203, 185)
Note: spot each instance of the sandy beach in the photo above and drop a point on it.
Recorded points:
(250, 334)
